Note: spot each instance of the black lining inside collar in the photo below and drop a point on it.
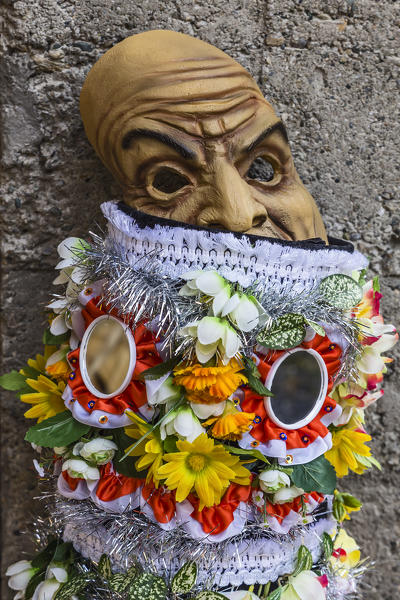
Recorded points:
(144, 220)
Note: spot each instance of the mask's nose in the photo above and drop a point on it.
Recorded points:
(230, 204)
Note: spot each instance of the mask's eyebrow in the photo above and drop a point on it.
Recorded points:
(164, 138)
(279, 126)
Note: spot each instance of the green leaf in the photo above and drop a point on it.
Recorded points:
(71, 587)
(127, 466)
(287, 331)
(338, 510)
(210, 596)
(104, 566)
(13, 381)
(368, 461)
(41, 560)
(256, 385)
(185, 578)
(55, 340)
(317, 328)
(375, 284)
(33, 583)
(63, 552)
(60, 430)
(148, 587)
(249, 452)
(327, 544)
(304, 561)
(276, 594)
(315, 476)
(161, 369)
(340, 291)
(349, 500)
(119, 582)
(170, 444)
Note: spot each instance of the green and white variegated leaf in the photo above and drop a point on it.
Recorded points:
(317, 328)
(276, 594)
(119, 582)
(210, 596)
(327, 544)
(304, 561)
(287, 331)
(104, 566)
(185, 578)
(71, 587)
(148, 587)
(340, 291)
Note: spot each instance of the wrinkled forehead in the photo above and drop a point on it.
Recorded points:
(171, 79)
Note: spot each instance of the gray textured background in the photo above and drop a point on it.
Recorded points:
(330, 68)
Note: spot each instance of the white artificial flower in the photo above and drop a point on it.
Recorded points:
(213, 334)
(208, 283)
(205, 411)
(272, 480)
(371, 361)
(20, 574)
(287, 494)
(46, 590)
(304, 586)
(99, 451)
(69, 251)
(60, 450)
(79, 469)
(166, 392)
(183, 422)
(257, 498)
(243, 311)
(38, 467)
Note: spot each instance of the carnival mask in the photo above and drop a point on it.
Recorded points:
(187, 133)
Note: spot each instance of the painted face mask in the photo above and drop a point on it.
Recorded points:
(215, 354)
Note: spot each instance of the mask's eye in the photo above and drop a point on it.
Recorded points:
(261, 169)
(169, 181)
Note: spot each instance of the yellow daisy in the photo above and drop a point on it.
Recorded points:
(210, 385)
(39, 362)
(231, 424)
(347, 445)
(203, 467)
(150, 449)
(46, 401)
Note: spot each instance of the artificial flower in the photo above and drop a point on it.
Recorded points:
(161, 394)
(353, 398)
(46, 401)
(183, 422)
(244, 311)
(203, 466)
(369, 305)
(20, 574)
(231, 424)
(303, 586)
(47, 589)
(343, 505)
(70, 251)
(346, 553)
(57, 365)
(39, 362)
(210, 284)
(348, 449)
(149, 449)
(213, 335)
(272, 480)
(210, 385)
(287, 494)
(379, 338)
(99, 450)
(205, 411)
(258, 498)
(79, 469)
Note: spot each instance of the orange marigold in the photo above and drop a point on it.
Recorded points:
(231, 424)
(210, 385)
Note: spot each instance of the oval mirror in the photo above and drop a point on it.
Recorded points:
(299, 381)
(107, 357)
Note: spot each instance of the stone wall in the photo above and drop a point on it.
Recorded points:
(331, 70)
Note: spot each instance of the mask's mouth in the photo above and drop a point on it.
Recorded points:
(144, 220)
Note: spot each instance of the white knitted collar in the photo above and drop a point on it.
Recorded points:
(239, 258)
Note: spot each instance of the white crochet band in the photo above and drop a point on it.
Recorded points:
(246, 562)
(241, 259)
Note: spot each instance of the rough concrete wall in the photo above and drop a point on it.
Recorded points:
(331, 70)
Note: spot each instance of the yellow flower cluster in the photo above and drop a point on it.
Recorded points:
(210, 385)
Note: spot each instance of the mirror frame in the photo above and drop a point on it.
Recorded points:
(322, 393)
(83, 351)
